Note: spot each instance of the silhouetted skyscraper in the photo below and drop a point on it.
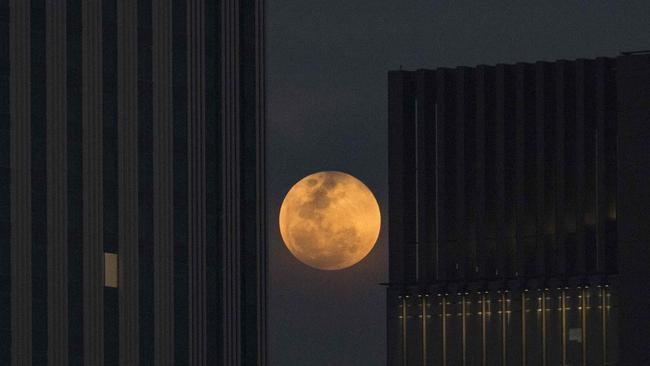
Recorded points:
(132, 204)
(518, 222)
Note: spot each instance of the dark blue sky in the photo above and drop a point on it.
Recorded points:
(327, 64)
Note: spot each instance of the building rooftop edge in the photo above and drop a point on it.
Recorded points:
(645, 54)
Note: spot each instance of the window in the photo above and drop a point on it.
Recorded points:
(110, 270)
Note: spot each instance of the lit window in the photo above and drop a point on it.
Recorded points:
(110, 270)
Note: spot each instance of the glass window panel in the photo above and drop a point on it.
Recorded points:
(110, 270)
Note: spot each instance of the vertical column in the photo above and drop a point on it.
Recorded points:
(413, 330)
(445, 173)
(588, 213)
(394, 321)
(470, 187)
(400, 180)
(605, 161)
(426, 170)
(196, 112)
(504, 171)
(594, 330)
(544, 187)
(487, 223)
(39, 182)
(503, 331)
(21, 182)
(404, 331)
(484, 316)
(260, 168)
(524, 170)
(214, 194)
(5, 189)
(499, 172)
(127, 141)
(564, 317)
(230, 154)
(484, 193)
(400, 115)
(466, 172)
(492, 329)
(423, 327)
(611, 168)
(146, 183)
(582, 116)
(563, 116)
(75, 183)
(433, 321)
(111, 174)
(569, 140)
(586, 326)
(461, 248)
(601, 96)
(546, 182)
(180, 176)
(251, 187)
(474, 320)
(524, 329)
(515, 327)
(464, 329)
(574, 329)
(57, 187)
(93, 247)
(633, 231)
(532, 328)
(250, 171)
(604, 318)
(553, 317)
(522, 239)
(455, 330)
(262, 254)
(163, 206)
(543, 319)
(482, 252)
(444, 312)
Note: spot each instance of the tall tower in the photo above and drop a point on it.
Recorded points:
(132, 193)
(516, 214)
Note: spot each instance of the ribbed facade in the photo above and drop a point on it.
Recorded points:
(134, 128)
(504, 193)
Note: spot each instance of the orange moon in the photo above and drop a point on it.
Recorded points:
(330, 220)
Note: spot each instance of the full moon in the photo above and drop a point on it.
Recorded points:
(330, 220)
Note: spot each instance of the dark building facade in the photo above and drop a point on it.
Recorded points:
(132, 204)
(519, 222)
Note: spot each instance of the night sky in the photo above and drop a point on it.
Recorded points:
(327, 64)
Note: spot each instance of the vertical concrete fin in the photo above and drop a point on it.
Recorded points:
(57, 187)
(196, 114)
(21, 182)
(163, 198)
(92, 145)
(127, 180)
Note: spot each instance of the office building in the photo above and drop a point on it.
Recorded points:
(132, 223)
(518, 215)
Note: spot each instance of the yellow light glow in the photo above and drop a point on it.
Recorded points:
(330, 220)
(110, 270)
